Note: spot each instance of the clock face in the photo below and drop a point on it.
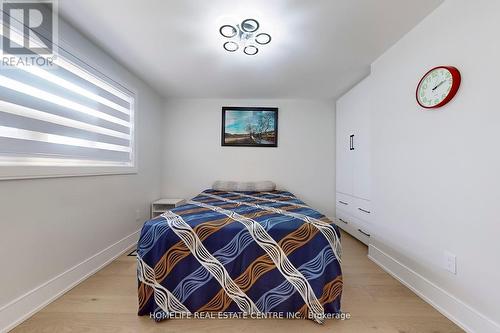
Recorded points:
(438, 87)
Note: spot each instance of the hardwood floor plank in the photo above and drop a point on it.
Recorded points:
(107, 303)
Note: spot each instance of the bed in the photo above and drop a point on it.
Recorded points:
(240, 254)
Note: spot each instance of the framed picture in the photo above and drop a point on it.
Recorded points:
(249, 126)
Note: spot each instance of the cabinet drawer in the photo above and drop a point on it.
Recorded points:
(344, 201)
(360, 230)
(362, 233)
(361, 209)
(343, 219)
(353, 226)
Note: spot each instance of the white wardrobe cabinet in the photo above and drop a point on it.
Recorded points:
(353, 162)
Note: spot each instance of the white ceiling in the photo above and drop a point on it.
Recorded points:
(320, 48)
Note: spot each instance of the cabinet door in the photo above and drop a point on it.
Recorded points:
(361, 153)
(344, 167)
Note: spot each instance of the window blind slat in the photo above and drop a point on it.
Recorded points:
(18, 133)
(40, 94)
(27, 78)
(72, 77)
(19, 110)
(17, 98)
(16, 121)
(46, 75)
(11, 150)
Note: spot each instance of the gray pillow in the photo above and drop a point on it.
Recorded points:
(262, 186)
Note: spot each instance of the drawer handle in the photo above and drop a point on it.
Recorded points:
(342, 202)
(343, 221)
(364, 233)
(364, 210)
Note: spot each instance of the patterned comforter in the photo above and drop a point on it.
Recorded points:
(249, 253)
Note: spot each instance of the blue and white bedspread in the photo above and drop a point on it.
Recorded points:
(254, 254)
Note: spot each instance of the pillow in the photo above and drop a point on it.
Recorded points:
(262, 186)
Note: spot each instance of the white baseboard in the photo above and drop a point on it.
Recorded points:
(23, 307)
(468, 318)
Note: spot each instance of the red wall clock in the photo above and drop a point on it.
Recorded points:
(438, 86)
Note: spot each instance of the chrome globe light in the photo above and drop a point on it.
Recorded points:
(244, 36)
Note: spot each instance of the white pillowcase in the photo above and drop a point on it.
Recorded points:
(262, 186)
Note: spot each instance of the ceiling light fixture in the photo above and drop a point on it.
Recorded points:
(244, 36)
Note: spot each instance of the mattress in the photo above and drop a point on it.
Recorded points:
(240, 254)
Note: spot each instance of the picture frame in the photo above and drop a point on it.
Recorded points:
(249, 126)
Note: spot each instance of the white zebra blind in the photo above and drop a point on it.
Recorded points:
(66, 115)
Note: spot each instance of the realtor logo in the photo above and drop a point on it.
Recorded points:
(28, 27)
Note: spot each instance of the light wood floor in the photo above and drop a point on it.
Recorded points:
(107, 302)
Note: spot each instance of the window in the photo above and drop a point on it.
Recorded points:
(65, 120)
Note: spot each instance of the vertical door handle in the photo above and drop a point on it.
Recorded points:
(351, 142)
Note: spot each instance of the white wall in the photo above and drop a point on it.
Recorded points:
(50, 225)
(303, 162)
(436, 183)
